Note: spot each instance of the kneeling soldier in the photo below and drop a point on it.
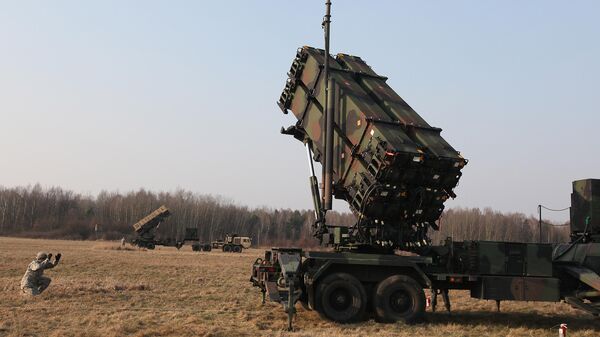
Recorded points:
(34, 282)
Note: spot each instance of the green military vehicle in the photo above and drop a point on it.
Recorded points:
(396, 171)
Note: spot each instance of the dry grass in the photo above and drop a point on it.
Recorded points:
(112, 246)
(99, 290)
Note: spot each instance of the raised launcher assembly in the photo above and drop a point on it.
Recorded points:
(389, 164)
(145, 229)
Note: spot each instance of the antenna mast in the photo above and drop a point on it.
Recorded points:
(329, 117)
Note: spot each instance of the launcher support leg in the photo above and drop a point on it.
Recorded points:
(291, 310)
(434, 293)
(498, 305)
(264, 295)
(446, 299)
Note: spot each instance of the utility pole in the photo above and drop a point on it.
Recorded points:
(540, 223)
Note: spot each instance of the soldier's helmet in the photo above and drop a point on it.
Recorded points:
(41, 256)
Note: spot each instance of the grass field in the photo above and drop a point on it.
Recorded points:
(98, 290)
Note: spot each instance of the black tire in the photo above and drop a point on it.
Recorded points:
(341, 297)
(399, 298)
(196, 247)
(207, 247)
(227, 248)
(237, 249)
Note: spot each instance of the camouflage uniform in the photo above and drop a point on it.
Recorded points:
(33, 282)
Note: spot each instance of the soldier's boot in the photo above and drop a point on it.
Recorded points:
(446, 299)
(28, 291)
(43, 282)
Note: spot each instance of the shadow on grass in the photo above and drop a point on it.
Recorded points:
(513, 320)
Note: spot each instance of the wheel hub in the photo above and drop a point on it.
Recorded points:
(400, 301)
(340, 299)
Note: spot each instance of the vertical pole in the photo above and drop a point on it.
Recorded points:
(540, 223)
(329, 117)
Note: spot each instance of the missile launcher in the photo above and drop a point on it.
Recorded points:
(392, 167)
(145, 230)
(395, 170)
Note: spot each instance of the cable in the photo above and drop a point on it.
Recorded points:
(555, 210)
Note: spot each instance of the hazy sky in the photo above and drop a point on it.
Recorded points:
(181, 94)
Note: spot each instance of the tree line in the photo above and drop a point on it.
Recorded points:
(34, 211)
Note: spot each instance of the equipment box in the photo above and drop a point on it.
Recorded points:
(510, 258)
(517, 289)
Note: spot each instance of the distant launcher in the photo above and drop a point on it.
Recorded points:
(389, 164)
(145, 230)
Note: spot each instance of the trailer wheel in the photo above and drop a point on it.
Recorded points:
(341, 298)
(237, 249)
(207, 248)
(399, 298)
(227, 248)
(196, 247)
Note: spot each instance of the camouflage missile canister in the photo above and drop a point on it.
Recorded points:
(393, 168)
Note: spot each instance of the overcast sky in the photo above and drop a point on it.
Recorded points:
(120, 95)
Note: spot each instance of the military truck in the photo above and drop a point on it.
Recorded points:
(396, 171)
(235, 243)
(231, 243)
